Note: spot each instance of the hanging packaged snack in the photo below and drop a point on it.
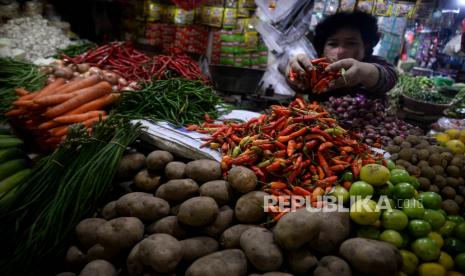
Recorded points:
(232, 4)
(366, 6)
(383, 8)
(205, 15)
(347, 5)
(230, 18)
(153, 10)
(251, 40)
(183, 17)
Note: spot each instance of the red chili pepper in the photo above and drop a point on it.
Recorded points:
(259, 173)
(327, 181)
(235, 138)
(324, 164)
(314, 136)
(318, 60)
(306, 118)
(300, 102)
(226, 162)
(288, 129)
(325, 146)
(243, 158)
(346, 149)
(277, 185)
(356, 166)
(322, 133)
(347, 185)
(276, 165)
(338, 168)
(192, 127)
(348, 159)
(293, 135)
(339, 162)
(280, 145)
(300, 191)
(267, 147)
(321, 173)
(299, 146)
(368, 161)
(291, 147)
(280, 154)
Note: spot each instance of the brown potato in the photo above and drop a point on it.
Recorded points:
(75, 257)
(168, 225)
(451, 207)
(175, 210)
(162, 252)
(371, 256)
(226, 262)
(146, 181)
(231, 237)
(133, 262)
(157, 160)
(219, 190)
(259, 247)
(197, 247)
(222, 222)
(249, 207)
(297, 228)
(198, 211)
(332, 265)
(86, 231)
(129, 165)
(97, 252)
(301, 261)
(242, 179)
(99, 268)
(334, 229)
(177, 190)
(121, 233)
(175, 170)
(109, 210)
(203, 170)
(143, 206)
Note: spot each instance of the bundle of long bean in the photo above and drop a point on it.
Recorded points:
(177, 101)
(78, 191)
(75, 49)
(15, 74)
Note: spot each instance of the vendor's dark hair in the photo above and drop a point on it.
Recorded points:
(365, 23)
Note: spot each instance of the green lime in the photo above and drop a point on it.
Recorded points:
(430, 200)
(361, 189)
(426, 249)
(419, 228)
(365, 212)
(460, 261)
(446, 260)
(394, 219)
(409, 261)
(385, 189)
(435, 218)
(403, 190)
(368, 232)
(456, 219)
(348, 176)
(414, 182)
(393, 237)
(341, 192)
(454, 246)
(388, 163)
(375, 174)
(399, 175)
(459, 231)
(407, 239)
(413, 208)
(447, 229)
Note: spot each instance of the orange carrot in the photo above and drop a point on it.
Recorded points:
(23, 102)
(51, 87)
(96, 91)
(79, 84)
(16, 112)
(76, 118)
(96, 104)
(48, 125)
(54, 99)
(57, 130)
(88, 123)
(21, 91)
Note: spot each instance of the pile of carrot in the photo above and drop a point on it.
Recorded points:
(295, 150)
(48, 113)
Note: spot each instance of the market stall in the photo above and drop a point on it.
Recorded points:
(145, 156)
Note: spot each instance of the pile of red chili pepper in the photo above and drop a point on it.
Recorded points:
(123, 59)
(318, 78)
(296, 150)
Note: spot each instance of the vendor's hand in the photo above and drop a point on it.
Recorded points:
(356, 72)
(297, 71)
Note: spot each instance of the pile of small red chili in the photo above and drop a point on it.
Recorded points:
(318, 78)
(296, 150)
(133, 65)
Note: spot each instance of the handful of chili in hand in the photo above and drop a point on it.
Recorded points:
(317, 79)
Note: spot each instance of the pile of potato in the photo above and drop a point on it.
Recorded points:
(437, 169)
(186, 219)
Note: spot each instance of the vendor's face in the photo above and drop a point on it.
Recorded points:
(345, 43)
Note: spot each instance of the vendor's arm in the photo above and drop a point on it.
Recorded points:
(376, 74)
